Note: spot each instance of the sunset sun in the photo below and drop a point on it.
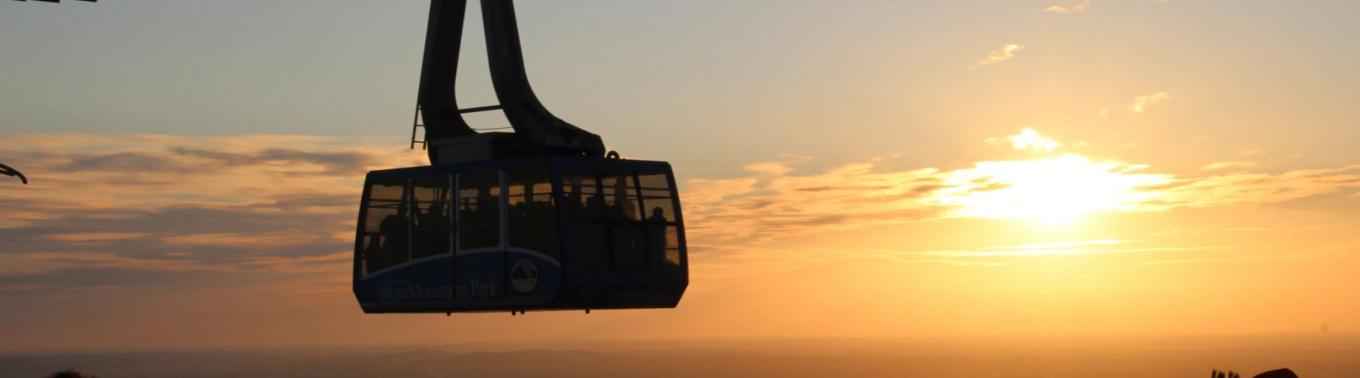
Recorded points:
(1061, 189)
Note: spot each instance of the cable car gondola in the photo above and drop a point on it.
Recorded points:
(537, 219)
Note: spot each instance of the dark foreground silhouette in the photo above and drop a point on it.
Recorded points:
(1278, 373)
(69, 373)
(727, 358)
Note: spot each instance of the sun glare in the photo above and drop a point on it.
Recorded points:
(1054, 190)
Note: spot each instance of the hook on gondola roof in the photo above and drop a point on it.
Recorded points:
(7, 171)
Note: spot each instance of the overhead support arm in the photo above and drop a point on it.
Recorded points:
(7, 171)
(436, 100)
(537, 131)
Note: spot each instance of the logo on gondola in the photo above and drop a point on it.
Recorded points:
(404, 289)
(524, 276)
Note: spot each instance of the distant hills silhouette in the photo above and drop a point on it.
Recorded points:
(715, 359)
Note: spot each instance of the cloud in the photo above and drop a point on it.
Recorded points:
(95, 236)
(287, 204)
(768, 168)
(211, 205)
(1229, 164)
(348, 162)
(1141, 103)
(95, 278)
(1085, 247)
(1007, 52)
(852, 195)
(1032, 141)
(1053, 245)
(266, 239)
(859, 195)
(190, 160)
(1241, 189)
(1073, 9)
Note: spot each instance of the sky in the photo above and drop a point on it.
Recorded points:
(872, 169)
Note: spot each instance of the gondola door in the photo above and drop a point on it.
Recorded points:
(430, 223)
(480, 267)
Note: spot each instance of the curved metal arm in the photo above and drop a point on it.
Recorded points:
(539, 131)
(439, 71)
(7, 171)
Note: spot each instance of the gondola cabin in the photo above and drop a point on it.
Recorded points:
(528, 233)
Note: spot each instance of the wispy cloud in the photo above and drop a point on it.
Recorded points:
(95, 236)
(278, 204)
(1006, 53)
(863, 194)
(1078, 8)
(130, 203)
(1237, 189)
(1229, 164)
(1056, 245)
(1032, 141)
(1141, 103)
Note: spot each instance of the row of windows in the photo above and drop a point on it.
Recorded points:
(402, 224)
(622, 221)
(618, 220)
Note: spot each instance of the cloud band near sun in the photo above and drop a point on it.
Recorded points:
(774, 203)
(121, 210)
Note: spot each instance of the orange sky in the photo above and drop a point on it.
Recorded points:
(889, 170)
(243, 241)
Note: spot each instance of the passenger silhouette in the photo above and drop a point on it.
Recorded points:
(656, 234)
(658, 215)
(623, 209)
(488, 217)
(432, 215)
(574, 200)
(594, 205)
(431, 233)
(373, 254)
(394, 229)
(627, 236)
(591, 236)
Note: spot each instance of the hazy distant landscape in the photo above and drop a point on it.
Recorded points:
(1311, 357)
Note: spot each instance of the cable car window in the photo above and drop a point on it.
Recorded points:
(479, 210)
(620, 196)
(385, 226)
(663, 242)
(586, 209)
(672, 252)
(532, 219)
(657, 197)
(626, 232)
(431, 229)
